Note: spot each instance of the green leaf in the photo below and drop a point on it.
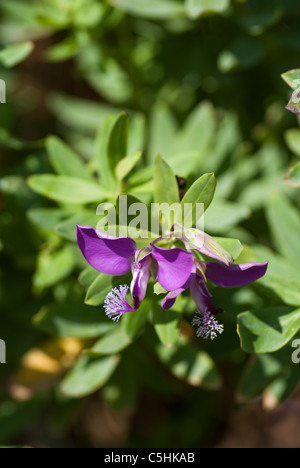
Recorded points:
(125, 166)
(67, 227)
(163, 131)
(134, 324)
(202, 191)
(284, 221)
(137, 133)
(267, 330)
(165, 184)
(112, 82)
(197, 134)
(118, 141)
(88, 276)
(15, 53)
(259, 372)
(189, 363)
(256, 195)
(185, 163)
(88, 375)
(292, 139)
(88, 14)
(292, 78)
(233, 246)
(197, 8)
(224, 141)
(65, 161)
(166, 324)
(122, 391)
(20, 11)
(293, 176)
(53, 268)
(287, 288)
(156, 9)
(102, 285)
(224, 215)
(282, 276)
(106, 175)
(64, 189)
(112, 343)
(158, 289)
(73, 320)
(46, 218)
(70, 112)
(281, 388)
(98, 290)
(166, 196)
(62, 51)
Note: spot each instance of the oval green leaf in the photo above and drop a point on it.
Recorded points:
(88, 375)
(268, 330)
(64, 189)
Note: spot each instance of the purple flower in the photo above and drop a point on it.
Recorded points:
(175, 269)
(226, 276)
(118, 256)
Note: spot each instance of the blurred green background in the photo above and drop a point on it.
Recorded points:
(201, 82)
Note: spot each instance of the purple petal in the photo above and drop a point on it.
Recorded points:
(203, 298)
(110, 255)
(293, 108)
(139, 284)
(171, 297)
(234, 275)
(174, 267)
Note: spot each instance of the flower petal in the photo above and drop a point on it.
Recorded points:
(174, 267)
(234, 275)
(203, 298)
(171, 297)
(110, 255)
(205, 244)
(140, 278)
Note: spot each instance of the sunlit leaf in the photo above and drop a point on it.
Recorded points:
(13, 54)
(196, 8)
(66, 189)
(267, 330)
